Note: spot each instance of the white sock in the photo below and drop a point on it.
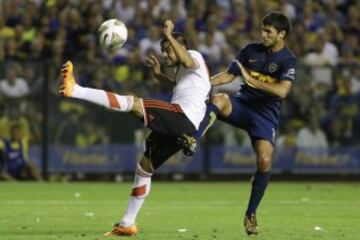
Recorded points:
(141, 189)
(107, 99)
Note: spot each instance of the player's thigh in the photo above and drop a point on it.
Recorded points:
(166, 118)
(159, 148)
(238, 116)
(261, 128)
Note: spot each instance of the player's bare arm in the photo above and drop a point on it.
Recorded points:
(154, 64)
(279, 88)
(222, 78)
(184, 57)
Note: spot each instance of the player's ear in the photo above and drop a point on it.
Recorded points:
(283, 34)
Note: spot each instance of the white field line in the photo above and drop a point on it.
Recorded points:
(184, 202)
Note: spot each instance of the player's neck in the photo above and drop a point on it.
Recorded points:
(277, 47)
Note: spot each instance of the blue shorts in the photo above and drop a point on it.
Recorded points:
(245, 117)
(16, 168)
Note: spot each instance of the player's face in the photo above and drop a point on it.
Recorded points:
(271, 36)
(15, 134)
(169, 55)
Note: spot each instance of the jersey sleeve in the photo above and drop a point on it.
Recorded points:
(234, 68)
(288, 70)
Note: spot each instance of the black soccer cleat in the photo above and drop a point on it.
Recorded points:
(250, 225)
(188, 144)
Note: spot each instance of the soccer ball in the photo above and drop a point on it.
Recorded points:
(112, 34)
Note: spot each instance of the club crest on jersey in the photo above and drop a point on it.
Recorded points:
(273, 67)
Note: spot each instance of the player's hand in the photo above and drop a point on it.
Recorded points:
(244, 72)
(247, 77)
(154, 64)
(168, 28)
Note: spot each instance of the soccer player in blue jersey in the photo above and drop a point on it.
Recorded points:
(268, 69)
(14, 160)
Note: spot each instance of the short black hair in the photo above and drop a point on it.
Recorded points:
(278, 20)
(179, 37)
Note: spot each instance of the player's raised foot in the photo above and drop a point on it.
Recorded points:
(68, 79)
(250, 225)
(188, 144)
(120, 231)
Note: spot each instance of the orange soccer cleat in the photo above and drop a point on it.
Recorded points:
(68, 79)
(122, 231)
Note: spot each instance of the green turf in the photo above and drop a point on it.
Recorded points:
(206, 210)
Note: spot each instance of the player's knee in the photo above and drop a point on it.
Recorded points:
(264, 162)
(219, 99)
(146, 165)
(137, 107)
(222, 102)
(137, 101)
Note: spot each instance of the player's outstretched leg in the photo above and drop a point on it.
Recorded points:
(210, 116)
(69, 88)
(189, 143)
(141, 188)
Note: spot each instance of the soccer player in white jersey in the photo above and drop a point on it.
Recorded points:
(168, 121)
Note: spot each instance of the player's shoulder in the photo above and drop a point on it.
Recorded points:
(254, 46)
(288, 53)
(253, 50)
(194, 53)
(197, 56)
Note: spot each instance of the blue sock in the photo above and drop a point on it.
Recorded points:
(259, 184)
(210, 116)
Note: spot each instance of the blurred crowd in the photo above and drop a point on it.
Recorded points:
(38, 36)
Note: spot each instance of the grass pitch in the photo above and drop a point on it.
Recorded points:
(194, 211)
